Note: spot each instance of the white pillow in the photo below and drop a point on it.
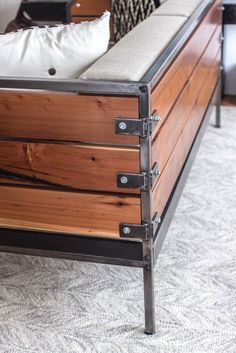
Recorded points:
(64, 51)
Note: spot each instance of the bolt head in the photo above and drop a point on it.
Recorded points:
(143, 89)
(156, 118)
(122, 126)
(157, 172)
(126, 230)
(124, 180)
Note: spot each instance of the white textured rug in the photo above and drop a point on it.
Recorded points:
(56, 306)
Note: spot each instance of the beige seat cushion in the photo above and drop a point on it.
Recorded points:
(133, 55)
(178, 7)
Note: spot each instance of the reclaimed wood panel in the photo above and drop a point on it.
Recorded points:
(167, 136)
(58, 211)
(166, 182)
(65, 117)
(168, 89)
(76, 166)
(90, 7)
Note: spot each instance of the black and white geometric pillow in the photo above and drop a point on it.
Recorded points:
(128, 13)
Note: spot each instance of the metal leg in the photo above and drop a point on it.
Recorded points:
(149, 304)
(218, 105)
(218, 100)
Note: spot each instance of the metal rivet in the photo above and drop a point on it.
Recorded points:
(126, 230)
(124, 180)
(122, 126)
(157, 172)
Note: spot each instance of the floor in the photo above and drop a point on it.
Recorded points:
(229, 101)
(57, 306)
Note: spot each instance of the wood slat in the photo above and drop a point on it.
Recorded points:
(173, 82)
(176, 161)
(65, 117)
(78, 213)
(77, 166)
(90, 7)
(168, 135)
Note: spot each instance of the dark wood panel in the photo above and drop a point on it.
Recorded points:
(76, 166)
(173, 82)
(81, 213)
(170, 131)
(170, 174)
(90, 7)
(64, 117)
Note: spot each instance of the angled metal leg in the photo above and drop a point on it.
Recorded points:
(218, 104)
(148, 277)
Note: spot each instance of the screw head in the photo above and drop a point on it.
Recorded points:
(124, 180)
(157, 172)
(122, 126)
(126, 230)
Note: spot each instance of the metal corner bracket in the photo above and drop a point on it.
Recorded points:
(137, 127)
(142, 181)
(140, 231)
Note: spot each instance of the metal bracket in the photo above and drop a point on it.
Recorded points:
(137, 127)
(137, 231)
(141, 181)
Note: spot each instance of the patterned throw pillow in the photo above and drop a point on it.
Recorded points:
(128, 13)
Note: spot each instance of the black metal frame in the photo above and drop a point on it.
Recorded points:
(126, 251)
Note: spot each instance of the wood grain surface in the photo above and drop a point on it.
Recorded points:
(81, 213)
(76, 166)
(168, 134)
(65, 117)
(167, 180)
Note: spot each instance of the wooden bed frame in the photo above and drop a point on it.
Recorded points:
(93, 170)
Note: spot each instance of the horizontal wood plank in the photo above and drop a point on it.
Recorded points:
(65, 117)
(167, 136)
(76, 166)
(167, 180)
(90, 7)
(173, 82)
(78, 213)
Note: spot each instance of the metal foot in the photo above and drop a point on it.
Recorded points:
(149, 304)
